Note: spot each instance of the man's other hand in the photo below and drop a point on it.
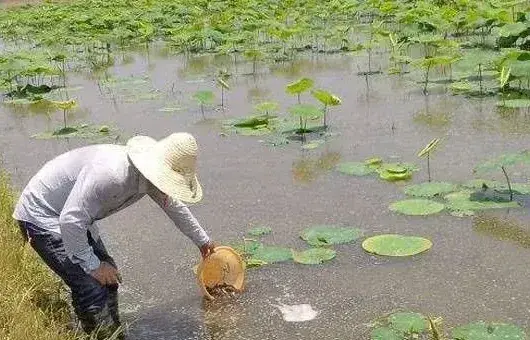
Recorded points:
(106, 274)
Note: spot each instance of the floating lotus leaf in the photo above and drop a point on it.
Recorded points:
(517, 188)
(408, 322)
(259, 231)
(417, 207)
(522, 157)
(515, 103)
(491, 331)
(385, 333)
(271, 254)
(102, 133)
(461, 203)
(314, 255)
(355, 168)
(313, 145)
(254, 263)
(392, 177)
(396, 171)
(396, 245)
(324, 235)
(248, 247)
(430, 189)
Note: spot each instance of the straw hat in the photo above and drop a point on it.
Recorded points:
(169, 164)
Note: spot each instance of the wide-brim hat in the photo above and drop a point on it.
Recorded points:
(169, 164)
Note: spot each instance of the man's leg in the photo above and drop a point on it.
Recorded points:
(103, 255)
(89, 298)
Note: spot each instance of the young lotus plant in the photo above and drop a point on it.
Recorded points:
(426, 152)
(204, 98)
(327, 99)
(65, 106)
(221, 81)
(304, 112)
(300, 86)
(267, 108)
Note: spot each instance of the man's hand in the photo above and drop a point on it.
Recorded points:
(106, 274)
(207, 249)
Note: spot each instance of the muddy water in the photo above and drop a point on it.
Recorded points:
(472, 272)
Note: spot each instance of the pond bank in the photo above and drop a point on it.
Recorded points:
(32, 303)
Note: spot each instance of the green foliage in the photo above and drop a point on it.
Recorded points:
(355, 168)
(267, 108)
(300, 86)
(522, 157)
(326, 98)
(408, 322)
(429, 147)
(204, 97)
(259, 231)
(396, 245)
(272, 254)
(417, 207)
(430, 189)
(463, 203)
(324, 235)
(488, 331)
(314, 256)
(305, 111)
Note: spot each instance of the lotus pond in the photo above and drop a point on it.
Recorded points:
(368, 159)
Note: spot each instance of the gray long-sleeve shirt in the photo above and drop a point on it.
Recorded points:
(84, 185)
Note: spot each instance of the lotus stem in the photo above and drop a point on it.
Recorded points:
(222, 97)
(480, 76)
(202, 111)
(508, 181)
(64, 117)
(429, 166)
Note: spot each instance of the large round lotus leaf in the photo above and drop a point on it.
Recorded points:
(461, 203)
(354, 168)
(272, 254)
(430, 189)
(247, 248)
(314, 255)
(416, 207)
(494, 331)
(384, 333)
(408, 322)
(396, 245)
(326, 235)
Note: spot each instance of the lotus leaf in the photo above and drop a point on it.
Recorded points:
(84, 131)
(396, 245)
(313, 145)
(513, 29)
(385, 333)
(461, 203)
(300, 86)
(323, 235)
(430, 147)
(374, 162)
(430, 189)
(522, 157)
(491, 331)
(389, 176)
(267, 107)
(254, 263)
(417, 207)
(305, 111)
(314, 255)
(326, 98)
(517, 188)
(259, 231)
(408, 322)
(515, 103)
(271, 254)
(248, 247)
(355, 168)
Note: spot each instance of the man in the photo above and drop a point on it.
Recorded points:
(59, 206)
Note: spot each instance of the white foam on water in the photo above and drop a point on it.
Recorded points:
(297, 313)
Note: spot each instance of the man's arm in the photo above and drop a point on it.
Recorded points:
(181, 215)
(81, 208)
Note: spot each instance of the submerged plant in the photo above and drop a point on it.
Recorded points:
(204, 98)
(426, 152)
(327, 99)
(65, 106)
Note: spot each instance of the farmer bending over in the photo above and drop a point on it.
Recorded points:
(58, 209)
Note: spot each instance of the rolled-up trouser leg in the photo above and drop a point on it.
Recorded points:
(89, 297)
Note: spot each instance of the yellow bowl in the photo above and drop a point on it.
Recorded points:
(223, 267)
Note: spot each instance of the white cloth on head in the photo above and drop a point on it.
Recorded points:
(74, 190)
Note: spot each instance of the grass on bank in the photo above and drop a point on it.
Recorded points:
(33, 304)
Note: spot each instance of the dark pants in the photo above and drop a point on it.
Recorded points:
(92, 302)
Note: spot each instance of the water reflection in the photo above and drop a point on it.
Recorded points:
(437, 116)
(309, 167)
(502, 228)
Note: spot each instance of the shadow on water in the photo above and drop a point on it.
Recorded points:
(309, 167)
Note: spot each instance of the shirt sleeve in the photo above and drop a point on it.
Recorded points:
(82, 207)
(181, 215)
